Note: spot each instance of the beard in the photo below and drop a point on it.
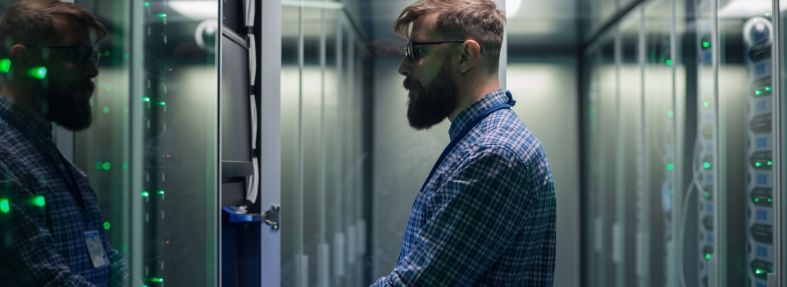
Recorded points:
(68, 108)
(430, 105)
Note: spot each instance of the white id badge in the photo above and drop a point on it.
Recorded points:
(96, 249)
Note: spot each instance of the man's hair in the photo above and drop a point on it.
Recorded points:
(29, 21)
(479, 20)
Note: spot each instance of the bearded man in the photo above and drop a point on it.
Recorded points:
(485, 216)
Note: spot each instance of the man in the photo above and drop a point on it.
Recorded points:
(486, 214)
(50, 224)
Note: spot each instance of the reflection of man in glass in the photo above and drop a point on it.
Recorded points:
(486, 214)
(50, 226)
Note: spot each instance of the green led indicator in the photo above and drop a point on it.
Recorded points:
(758, 92)
(105, 110)
(668, 62)
(5, 205)
(770, 163)
(770, 200)
(162, 103)
(38, 73)
(706, 165)
(146, 99)
(768, 88)
(756, 200)
(124, 166)
(107, 225)
(106, 165)
(759, 271)
(157, 280)
(147, 4)
(145, 194)
(162, 15)
(670, 114)
(161, 192)
(670, 167)
(707, 195)
(705, 44)
(39, 201)
(706, 104)
(757, 164)
(708, 256)
(5, 65)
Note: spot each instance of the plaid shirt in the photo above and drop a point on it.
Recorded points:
(46, 245)
(487, 216)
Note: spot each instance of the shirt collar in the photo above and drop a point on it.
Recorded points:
(469, 114)
(26, 123)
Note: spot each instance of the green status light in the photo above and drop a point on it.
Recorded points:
(706, 165)
(162, 103)
(706, 104)
(758, 92)
(145, 194)
(759, 271)
(105, 110)
(157, 280)
(757, 164)
(708, 256)
(107, 225)
(39, 201)
(756, 200)
(668, 62)
(38, 73)
(670, 114)
(162, 15)
(5, 205)
(670, 167)
(768, 89)
(147, 4)
(705, 44)
(146, 99)
(161, 192)
(770, 163)
(5, 66)
(770, 200)
(707, 195)
(106, 166)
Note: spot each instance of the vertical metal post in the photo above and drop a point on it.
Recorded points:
(269, 67)
(136, 164)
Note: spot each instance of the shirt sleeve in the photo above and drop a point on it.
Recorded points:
(26, 244)
(481, 210)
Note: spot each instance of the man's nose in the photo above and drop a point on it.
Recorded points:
(404, 67)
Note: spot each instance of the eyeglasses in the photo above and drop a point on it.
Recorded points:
(414, 54)
(79, 54)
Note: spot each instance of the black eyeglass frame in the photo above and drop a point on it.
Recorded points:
(412, 55)
(77, 57)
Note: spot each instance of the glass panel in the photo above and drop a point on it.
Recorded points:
(179, 120)
(659, 148)
(102, 151)
(323, 162)
(629, 151)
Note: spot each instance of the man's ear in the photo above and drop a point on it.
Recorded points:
(469, 55)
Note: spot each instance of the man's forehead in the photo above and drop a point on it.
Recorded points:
(70, 32)
(423, 27)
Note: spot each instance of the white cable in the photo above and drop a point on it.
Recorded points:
(253, 108)
(254, 182)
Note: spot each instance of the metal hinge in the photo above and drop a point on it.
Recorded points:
(271, 217)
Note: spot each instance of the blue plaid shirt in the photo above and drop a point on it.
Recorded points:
(46, 245)
(487, 216)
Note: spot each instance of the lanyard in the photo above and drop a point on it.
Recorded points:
(466, 130)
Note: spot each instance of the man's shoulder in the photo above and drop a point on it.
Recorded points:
(507, 136)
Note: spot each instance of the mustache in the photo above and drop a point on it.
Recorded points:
(409, 83)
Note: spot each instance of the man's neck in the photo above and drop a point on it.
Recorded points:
(474, 94)
(25, 103)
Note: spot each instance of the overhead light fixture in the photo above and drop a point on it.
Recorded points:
(196, 10)
(512, 8)
(748, 8)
